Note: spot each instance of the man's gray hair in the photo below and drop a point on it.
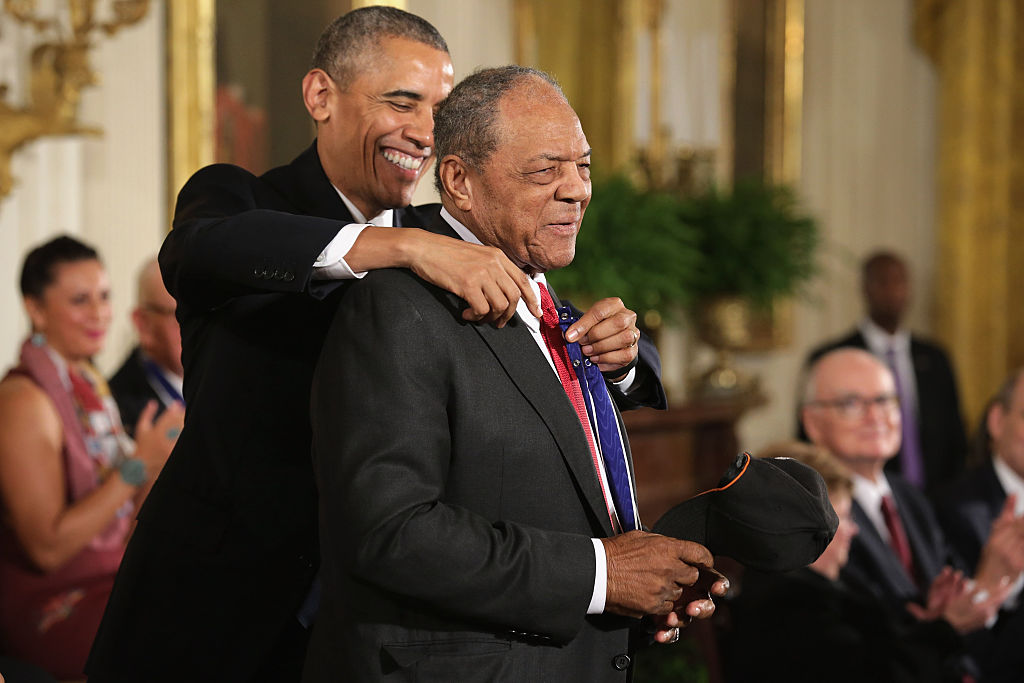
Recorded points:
(466, 122)
(348, 45)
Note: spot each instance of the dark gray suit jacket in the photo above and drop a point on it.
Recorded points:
(874, 566)
(966, 511)
(458, 500)
(132, 391)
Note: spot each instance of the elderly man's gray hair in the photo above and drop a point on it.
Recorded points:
(466, 122)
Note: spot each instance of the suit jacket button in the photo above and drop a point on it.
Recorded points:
(621, 662)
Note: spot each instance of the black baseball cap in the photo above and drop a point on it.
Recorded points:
(769, 514)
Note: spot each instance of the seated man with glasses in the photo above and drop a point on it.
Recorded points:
(851, 408)
(152, 371)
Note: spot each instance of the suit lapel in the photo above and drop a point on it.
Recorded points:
(929, 562)
(305, 184)
(995, 495)
(523, 362)
(521, 359)
(881, 555)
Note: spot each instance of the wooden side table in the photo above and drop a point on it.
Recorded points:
(683, 450)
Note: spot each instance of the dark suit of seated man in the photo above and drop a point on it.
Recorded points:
(989, 501)
(469, 526)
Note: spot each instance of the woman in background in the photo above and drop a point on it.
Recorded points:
(70, 479)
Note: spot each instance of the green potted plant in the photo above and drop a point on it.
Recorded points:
(757, 246)
(632, 245)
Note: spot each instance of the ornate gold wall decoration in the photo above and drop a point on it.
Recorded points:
(589, 46)
(58, 72)
(190, 91)
(978, 49)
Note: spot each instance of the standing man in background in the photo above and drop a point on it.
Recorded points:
(218, 580)
(152, 371)
(934, 443)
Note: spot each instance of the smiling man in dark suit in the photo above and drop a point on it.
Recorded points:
(218, 581)
(477, 523)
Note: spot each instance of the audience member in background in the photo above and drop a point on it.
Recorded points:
(808, 625)
(70, 478)
(934, 445)
(900, 554)
(152, 372)
(986, 502)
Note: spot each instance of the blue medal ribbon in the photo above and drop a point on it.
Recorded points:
(604, 424)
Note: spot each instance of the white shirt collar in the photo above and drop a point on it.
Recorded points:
(532, 323)
(868, 495)
(1010, 481)
(880, 341)
(384, 219)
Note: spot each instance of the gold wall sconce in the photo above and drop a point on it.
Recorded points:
(59, 70)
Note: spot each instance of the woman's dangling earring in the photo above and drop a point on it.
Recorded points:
(38, 339)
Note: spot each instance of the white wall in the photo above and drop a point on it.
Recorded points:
(479, 34)
(869, 149)
(108, 191)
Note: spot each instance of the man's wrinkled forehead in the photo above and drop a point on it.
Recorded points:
(539, 124)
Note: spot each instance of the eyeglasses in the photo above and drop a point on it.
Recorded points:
(855, 407)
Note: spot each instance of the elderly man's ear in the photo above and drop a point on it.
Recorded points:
(456, 182)
(811, 426)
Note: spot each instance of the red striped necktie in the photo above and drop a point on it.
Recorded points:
(898, 536)
(555, 342)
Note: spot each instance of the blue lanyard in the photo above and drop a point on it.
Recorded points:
(153, 370)
(603, 423)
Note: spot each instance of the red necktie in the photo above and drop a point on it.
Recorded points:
(898, 535)
(570, 383)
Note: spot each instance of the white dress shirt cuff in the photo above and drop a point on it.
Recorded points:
(331, 264)
(600, 579)
(626, 382)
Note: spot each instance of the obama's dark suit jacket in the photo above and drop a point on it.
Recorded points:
(226, 547)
